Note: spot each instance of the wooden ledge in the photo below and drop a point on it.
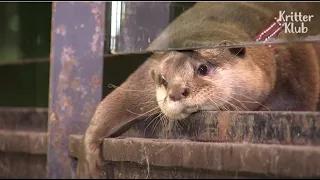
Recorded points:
(23, 119)
(289, 128)
(270, 160)
(23, 142)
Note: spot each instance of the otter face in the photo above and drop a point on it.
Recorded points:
(211, 79)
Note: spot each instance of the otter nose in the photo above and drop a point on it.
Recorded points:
(176, 92)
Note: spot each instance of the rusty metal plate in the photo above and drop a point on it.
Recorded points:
(75, 77)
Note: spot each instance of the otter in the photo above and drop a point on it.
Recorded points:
(179, 83)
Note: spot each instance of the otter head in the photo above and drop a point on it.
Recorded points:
(212, 79)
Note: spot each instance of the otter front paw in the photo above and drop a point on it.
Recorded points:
(90, 166)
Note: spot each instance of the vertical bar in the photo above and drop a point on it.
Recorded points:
(137, 28)
(75, 77)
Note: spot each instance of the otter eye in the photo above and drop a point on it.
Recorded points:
(203, 70)
(162, 81)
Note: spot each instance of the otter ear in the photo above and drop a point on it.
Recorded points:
(152, 74)
(239, 51)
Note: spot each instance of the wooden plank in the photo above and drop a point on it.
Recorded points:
(296, 128)
(131, 170)
(15, 165)
(23, 142)
(277, 160)
(24, 119)
(23, 147)
(269, 160)
(74, 145)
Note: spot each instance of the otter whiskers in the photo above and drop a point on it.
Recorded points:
(122, 88)
(253, 101)
(155, 118)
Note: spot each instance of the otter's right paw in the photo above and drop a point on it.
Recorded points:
(90, 166)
